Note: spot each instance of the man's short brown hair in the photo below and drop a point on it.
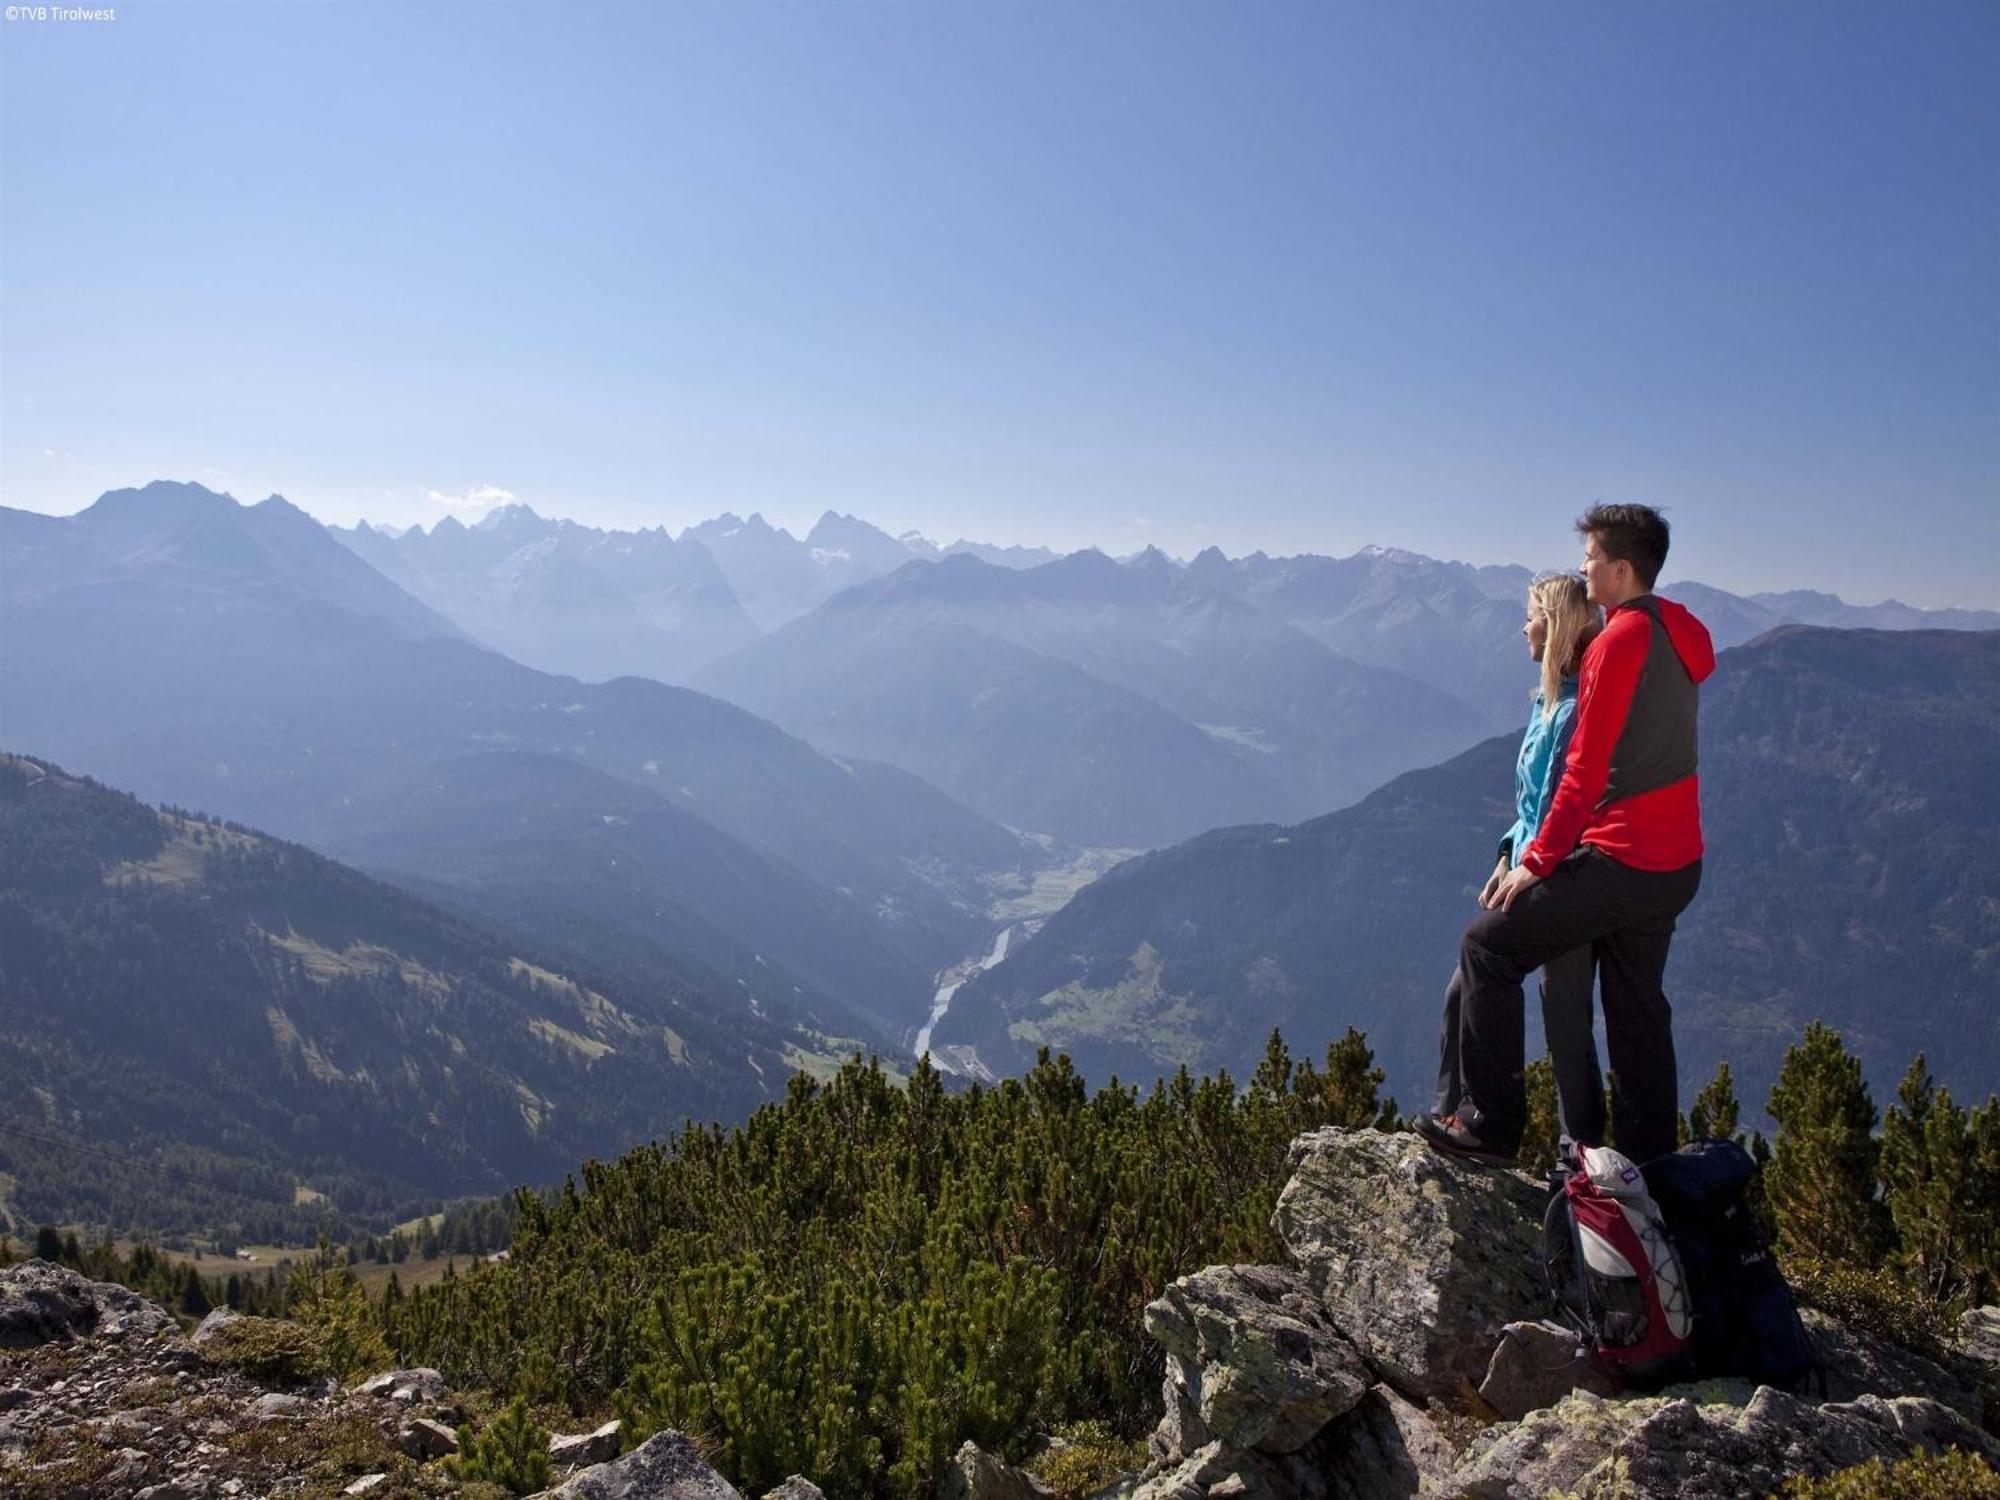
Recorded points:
(1636, 534)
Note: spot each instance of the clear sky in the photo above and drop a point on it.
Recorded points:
(1297, 278)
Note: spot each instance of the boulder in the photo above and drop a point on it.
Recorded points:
(1979, 1337)
(1181, 1430)
(975, 1474)
(424, 1439)
(1536, 1365)
(1420, 1258)
(40, 1302)
(1714, 1442)
(664, 1467)
(277, 1406)
(1385, 1449)
(214, 1328)
(567, 1450)
(798, 1487)
(409, 1387)
(1210, 1469)
(1859, 1364)
(1259, 1361)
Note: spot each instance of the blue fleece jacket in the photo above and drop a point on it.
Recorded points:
(1538, 769)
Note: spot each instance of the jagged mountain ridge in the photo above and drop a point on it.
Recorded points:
(231, 687)
(1103, 702)
(1851, 791)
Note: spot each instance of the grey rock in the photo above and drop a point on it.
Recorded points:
(277, 1406)
(798, 1487)
(212, 1326)
(1859, 1364)
(1181, 1430)
(13, 1396)
(410, 1387)
(40, 1302)
(1536, 1365)
(1196, 1476)
(1264, 1365)
(570, 1449)
(664, 1467)
(1420, 1258)
(424, 1439)
(975, 1474)
(364, 1484)
(1385, 1449)
(1683, 1445)
(171, 1490)
(1979, 1337)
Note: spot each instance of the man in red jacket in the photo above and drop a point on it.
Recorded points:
(1616, 861)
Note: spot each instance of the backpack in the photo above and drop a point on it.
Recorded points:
(1745, 1320)
(1615, 1272)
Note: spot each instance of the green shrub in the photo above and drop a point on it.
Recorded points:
(267, 1349)
(1952, 1475)
(1875, 1299)
(324, 1296)
(1087, 1457)
(512, 1450)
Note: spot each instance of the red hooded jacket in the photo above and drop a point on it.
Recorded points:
(1629, 786)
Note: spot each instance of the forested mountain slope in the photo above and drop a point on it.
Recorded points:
(1851, 800)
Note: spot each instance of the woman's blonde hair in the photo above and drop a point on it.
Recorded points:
(1573, 625)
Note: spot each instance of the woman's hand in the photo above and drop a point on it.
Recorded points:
(1493, 883)
(1517, 881)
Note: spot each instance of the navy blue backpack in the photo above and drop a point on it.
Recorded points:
(1746, 1322)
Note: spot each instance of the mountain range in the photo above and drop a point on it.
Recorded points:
(1126, 703)
(1851, 805)
(238, 659)
(903, 749)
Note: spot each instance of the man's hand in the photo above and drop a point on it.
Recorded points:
(1493, 882)
(1517, 880)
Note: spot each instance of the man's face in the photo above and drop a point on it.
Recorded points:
(1606, 581)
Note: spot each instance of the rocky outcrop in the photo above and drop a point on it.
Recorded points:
(1412, 1315)
(1536, 1365)
(1739, 1443)
(664, 1467)
(975, 1474)
(408, 1387)
(40, 1302)
(1426, 1266)
(1979, 1338)
(574, 1450)
(1254, 1358)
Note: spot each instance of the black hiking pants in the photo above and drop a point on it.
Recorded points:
(1626, 917)
(1568, 983)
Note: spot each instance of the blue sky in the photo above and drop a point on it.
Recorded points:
(1297, 278)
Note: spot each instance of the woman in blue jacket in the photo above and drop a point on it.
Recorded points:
(1561, 622)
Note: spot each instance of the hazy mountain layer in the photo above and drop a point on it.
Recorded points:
(224, 684)
(567, 598)
(1099, 701)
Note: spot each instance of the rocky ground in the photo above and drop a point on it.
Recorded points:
(1399, 1353)
(1403, 1352)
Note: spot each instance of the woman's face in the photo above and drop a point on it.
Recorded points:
(1537, 631)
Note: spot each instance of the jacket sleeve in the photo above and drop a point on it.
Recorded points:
(1605, 687)
(1560, 733)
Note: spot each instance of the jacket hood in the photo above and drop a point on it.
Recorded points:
(1689, 638)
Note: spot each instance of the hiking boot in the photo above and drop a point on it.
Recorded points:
(1454, 1137)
